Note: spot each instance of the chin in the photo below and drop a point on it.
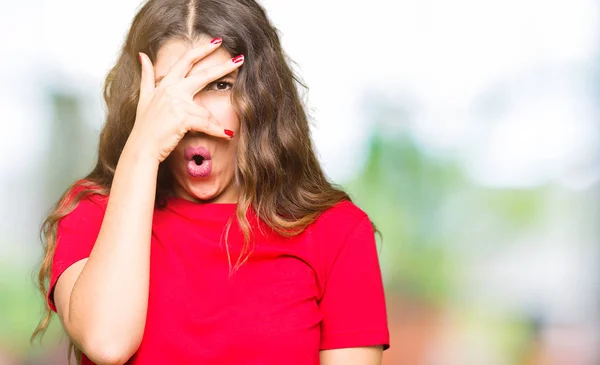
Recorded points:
(212, 188)
(201, 190)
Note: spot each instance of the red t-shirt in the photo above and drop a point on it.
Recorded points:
(295, 296)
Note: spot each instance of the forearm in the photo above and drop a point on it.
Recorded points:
(109, 299)
(352, 356)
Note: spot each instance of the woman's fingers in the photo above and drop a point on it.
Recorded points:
(208, 126)
(183, 65)
(197, 81)
(147, 79)
(199, 119)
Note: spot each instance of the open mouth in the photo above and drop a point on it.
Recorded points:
(198, 159)
(199, 162)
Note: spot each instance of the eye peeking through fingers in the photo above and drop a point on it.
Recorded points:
(220, 86)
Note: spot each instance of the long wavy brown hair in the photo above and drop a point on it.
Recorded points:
(276, 169)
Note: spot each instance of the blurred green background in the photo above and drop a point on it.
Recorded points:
(469, 131)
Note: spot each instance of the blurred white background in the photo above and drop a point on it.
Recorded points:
(504, 92)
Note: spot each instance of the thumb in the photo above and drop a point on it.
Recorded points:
(147, 79)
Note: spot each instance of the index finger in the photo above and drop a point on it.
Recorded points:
(188, 59)
(198, 80)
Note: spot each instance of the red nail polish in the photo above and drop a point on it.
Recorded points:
(238, 59)
(229, 133)
(216, 41)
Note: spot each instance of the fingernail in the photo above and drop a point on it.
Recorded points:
(238, 59)
(140, 56)
(216, 41)
(229, 132)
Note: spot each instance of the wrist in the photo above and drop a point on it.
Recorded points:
(139, 153)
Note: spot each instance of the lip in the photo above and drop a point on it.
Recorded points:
(194, 170)
(192, 151)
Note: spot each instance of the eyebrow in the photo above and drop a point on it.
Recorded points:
(232, 74)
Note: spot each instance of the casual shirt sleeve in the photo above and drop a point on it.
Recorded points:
(75, 237)
(353, 302)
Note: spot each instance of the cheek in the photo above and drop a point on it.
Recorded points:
(229, 158)
(221, 108)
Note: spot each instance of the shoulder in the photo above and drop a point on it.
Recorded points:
(344, 212)
(345, 239)
(341, 220)
(87, 190)
(84, 198)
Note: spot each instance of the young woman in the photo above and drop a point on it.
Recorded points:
(208, 233)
